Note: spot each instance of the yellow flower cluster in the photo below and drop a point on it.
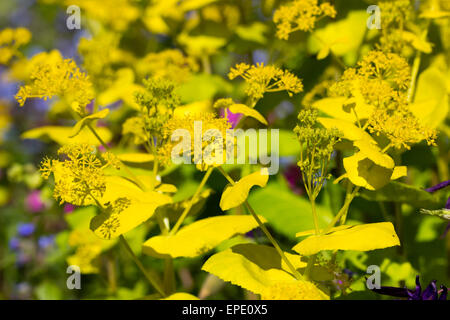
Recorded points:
(382, 79)
(208, 121)
(10, 41)
(79, 177)
(261, 79)
(116, 14)
(401, 127)
(63, 79)
(169, 64)
(299, 290)
(300, 15)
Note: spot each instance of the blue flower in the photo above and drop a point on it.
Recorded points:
(437, 187)
(14, 244)
(25, 229)
(430, 293)
(45, 242)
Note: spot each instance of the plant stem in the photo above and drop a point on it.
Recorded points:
(348, 199)
(191, 203)
(297, 275)
(152, 281)
(132, 175)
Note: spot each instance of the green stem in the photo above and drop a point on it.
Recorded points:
(152, 281)
(344, 209)
(294, 271)
(191, 203)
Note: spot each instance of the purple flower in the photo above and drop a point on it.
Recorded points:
(233, 118)
(293, 176)
(437, 187)
(14, 244)
(430, 293)
(33, 201)
(68, 208)
(25, 229)
(45, 242)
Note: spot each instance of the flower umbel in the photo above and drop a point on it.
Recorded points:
(261, 79)
(79, 177)
(300, 15)
(63, 79)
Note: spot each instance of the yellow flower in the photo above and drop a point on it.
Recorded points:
(300, 15)
(298, 290)
(10, 41)
(79, 177)
(169, 64)
(261, 79)
(208, 121)
(63, 79)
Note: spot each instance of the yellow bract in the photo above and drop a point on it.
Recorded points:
(86, 120)
(127, 207)
(369, 167)
(199, 237)
(247, 111)
(364, 237)
(62, 135)
(235, 195)
(347, 128)
(258, 268)
(181, 296)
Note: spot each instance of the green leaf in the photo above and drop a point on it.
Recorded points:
(199, 237)
(285, 211)
(404, 193)
(235, 195)
(363, 237)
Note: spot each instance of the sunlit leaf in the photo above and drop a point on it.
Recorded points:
(431, 103)
(181, 296)
(199, 237)
(88, 119)
(61, 135)
(363, 237)
(249, 112)
(251, 266)
(235, 195)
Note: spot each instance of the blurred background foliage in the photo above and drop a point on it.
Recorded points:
(34, 229)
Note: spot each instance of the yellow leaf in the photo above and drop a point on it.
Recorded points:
(140, 206)
(234, 196)
(199, 237)
(83, 122)
(364, 172)
(334, 107)
(417, 42)
(363, 237)
(61, 135)
(399, 171)
(343, 38)
(252, 266)
(247, 111)
(181, 296)
(193, 108)
(348, 129)
(136, 157)
(431, 104)
(323, 53)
